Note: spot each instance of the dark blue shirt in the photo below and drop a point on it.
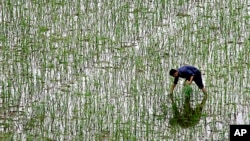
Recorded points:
(185, 72)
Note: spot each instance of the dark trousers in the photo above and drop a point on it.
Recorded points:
(198, 79)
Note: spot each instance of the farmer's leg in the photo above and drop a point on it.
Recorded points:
(198, 81)
(204, 90)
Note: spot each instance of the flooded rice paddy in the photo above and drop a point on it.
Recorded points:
(98, 70)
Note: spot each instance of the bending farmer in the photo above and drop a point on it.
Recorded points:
(190, 73)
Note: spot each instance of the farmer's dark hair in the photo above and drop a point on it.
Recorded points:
(172, 71)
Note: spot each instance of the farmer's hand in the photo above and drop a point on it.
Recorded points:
(172, 89)
(188, 82)
(171, 95)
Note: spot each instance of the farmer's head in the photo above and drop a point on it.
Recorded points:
(173, 72)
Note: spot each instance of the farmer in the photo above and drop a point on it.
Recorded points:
(190, 73)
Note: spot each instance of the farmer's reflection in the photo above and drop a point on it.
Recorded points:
(189, 116)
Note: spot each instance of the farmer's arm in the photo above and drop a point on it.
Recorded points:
(191, 79)
(174, 84)
(191, 73)
(172, 88)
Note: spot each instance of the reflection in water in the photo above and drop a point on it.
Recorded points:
(189, 116)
